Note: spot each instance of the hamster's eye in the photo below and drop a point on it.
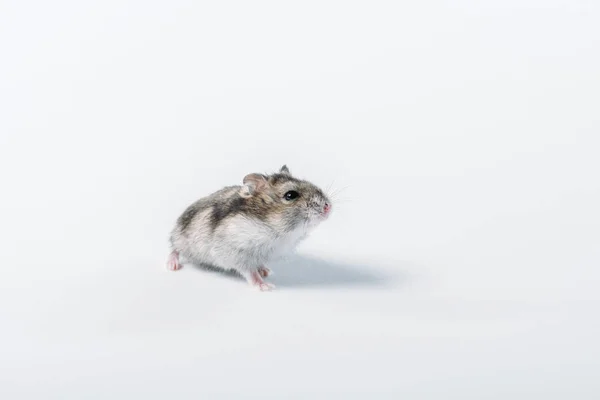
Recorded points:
(291, 195)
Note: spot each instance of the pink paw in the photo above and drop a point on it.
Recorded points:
(264, 272)
(173, 263)
(265, 287)
(256, 281)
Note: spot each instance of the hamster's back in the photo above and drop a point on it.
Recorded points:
(193, 226)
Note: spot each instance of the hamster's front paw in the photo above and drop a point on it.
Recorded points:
(254, 278)
(264, 271)
(265, 287)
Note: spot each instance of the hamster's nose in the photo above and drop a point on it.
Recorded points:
(326, 208)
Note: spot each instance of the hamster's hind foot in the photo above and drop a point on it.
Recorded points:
(173, 263)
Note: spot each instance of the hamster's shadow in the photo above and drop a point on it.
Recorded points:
(301, 272)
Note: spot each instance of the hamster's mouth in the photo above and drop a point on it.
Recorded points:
(324, 214)
(317, 215)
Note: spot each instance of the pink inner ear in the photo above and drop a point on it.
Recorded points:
(255, 181)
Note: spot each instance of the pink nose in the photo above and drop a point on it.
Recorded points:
(327, 208)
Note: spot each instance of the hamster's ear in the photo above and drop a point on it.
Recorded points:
(285, 170)
(253, 183)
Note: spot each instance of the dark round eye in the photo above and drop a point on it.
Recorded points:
(291, 195)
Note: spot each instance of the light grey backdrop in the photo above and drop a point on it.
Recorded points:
(461, 261)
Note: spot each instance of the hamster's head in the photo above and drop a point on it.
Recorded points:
(286, 200)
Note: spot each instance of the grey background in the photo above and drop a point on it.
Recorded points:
(461, 261)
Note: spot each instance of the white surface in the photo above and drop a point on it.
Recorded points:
(463, 265)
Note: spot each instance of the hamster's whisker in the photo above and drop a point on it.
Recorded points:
(329, 186)
(337, 203)
(338, 199)
(336, 193)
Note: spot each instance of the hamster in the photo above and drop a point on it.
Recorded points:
(243, 227)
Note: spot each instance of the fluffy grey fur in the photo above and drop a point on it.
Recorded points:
(244, 227)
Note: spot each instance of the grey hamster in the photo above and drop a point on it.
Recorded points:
(242, 228)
